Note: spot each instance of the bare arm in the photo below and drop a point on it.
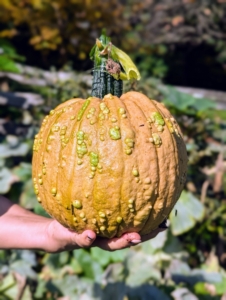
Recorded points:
(19, 228)
(22, 229)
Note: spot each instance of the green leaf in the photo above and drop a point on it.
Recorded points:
(63, 258)
(104, 257)
(8, 49)
(179, 100)
(140, 269)
(200, 288)
(27, 294)
(180, 272)
(183, 294)
(114, 291)
(147, 292)
(68, 286)
(189, 210)
(114, 273)
(7, 151)
(73, 287)
(76, 266)
(91, 268)
(6, 179)
(196, 276)
(7, 64)
(7, 283)
(39, 210)
(28, 198)
(23, 171)
(101, 256)
(221, 286)
(11, 293)
(3, 255)
(153, 245)
(184, 101)
(173, 245)
(202, 104)
(28, 256)
(40, 289)
(23, 268)
(119, 255)
(56, 260)
(220, 135)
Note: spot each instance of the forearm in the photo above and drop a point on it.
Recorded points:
(19, 228)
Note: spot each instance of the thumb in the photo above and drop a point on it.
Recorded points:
(84, 239)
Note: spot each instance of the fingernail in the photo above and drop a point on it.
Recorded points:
(91, 239)
(135, 242)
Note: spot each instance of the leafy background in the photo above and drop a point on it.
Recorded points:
(44, 48)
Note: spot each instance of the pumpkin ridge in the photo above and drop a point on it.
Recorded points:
(122, 162)
(157, 162)
(95, 180)
(67, 192)
(133, 155)
(168, 167)
(141, 111)
(66, 205)
(161, 217)
(45, 136)
(85, 179)
(160, 107)
(176, 159)
(59, 206)
(137, 96)
(45, 154)
(97, 141)
(177, 147)
(159, 180)
(74, 129)
(113, 102)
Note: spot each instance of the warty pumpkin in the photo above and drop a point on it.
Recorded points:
(112, 165)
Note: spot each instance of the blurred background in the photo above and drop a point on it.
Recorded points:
(179, 47)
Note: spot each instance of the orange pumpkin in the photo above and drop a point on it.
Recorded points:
(112, 165)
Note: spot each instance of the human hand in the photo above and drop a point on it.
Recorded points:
(22, 229)
(59, 238)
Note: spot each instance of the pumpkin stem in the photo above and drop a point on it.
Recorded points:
(111, 67)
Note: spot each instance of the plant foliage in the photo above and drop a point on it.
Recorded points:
(63, 30)
(186, 262)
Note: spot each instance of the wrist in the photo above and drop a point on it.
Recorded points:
(21, 229)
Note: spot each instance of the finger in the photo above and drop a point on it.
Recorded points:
(153, 234)
(84, 239)
(126, 240)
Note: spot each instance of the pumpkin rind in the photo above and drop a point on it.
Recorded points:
(113, 165)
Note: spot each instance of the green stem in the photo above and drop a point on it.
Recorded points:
(110, 82)
(103, 82)
(99, 86)
(118, 87)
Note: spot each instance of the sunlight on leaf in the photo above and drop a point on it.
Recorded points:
(6, 179)
(189, 210)
(155, 244)
(140, 269)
